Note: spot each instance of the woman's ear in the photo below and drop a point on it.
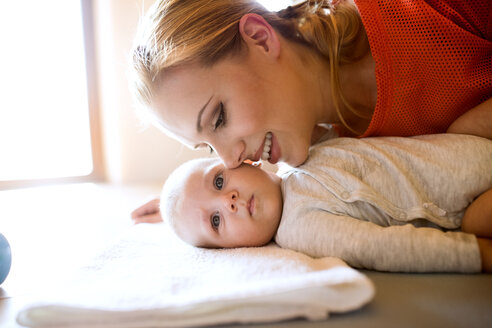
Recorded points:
(258, 33)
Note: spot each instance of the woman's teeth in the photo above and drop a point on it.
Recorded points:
(266, 148)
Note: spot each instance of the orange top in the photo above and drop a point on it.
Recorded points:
(433, 62)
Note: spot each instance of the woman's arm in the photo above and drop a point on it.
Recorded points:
(478, 220)
(477, 121)
(485, 245)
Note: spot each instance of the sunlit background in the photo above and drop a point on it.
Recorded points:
(44, 121)
(275, 5)
(44, 124)
(45, 132)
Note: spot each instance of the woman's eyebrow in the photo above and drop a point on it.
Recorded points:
(200, 113)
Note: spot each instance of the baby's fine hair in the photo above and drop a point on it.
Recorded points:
(172, 191)
(177, 32)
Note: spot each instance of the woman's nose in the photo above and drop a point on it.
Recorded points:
(230, 201)
(232, 156)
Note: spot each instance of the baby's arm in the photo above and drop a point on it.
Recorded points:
(364, 244)
(477, 121)
(478, 221)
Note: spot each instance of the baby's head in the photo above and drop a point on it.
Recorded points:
(208, 205)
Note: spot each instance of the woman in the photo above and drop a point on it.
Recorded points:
(251, 84)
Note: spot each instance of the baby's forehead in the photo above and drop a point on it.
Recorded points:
(196, 171)
(203, 166)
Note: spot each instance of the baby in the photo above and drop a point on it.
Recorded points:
(389, 203)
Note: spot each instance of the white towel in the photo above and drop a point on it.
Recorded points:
(149, 278)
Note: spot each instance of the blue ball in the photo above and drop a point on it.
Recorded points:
(5, 258)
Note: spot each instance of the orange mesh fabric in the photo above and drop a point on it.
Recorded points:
(433, 62)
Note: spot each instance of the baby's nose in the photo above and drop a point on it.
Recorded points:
(230, 201)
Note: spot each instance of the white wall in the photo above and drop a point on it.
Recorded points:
(132, 153)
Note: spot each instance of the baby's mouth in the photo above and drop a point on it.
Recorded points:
(251, 205)
(267, 147)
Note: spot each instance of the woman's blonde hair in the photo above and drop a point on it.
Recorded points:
(176, 32)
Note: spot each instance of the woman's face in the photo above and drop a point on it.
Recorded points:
(233, 106)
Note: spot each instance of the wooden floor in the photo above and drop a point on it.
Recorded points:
(52, 230)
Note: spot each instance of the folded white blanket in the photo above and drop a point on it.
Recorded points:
(149, 278)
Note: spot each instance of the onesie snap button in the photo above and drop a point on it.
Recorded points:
(434, 209)
(403, 215)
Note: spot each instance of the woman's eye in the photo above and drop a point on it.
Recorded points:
(215, 221)
(219, 182)
(220, 118)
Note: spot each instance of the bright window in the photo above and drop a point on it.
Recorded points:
(275, 5)
(44, 115)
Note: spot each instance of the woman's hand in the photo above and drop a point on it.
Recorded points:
(485, 246)
(478, 221)
(148, 212)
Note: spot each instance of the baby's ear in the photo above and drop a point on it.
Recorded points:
(249, 162)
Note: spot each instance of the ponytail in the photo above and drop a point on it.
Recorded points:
(336, 32)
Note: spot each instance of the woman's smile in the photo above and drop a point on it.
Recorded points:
(269, 150)
(266, 146)
(275, 152)
(264, 149)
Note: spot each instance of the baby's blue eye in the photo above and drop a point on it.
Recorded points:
(219, 182)
(215, 221)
